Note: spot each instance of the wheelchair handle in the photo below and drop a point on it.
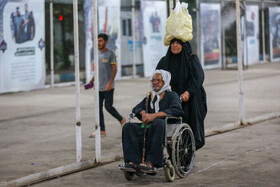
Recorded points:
(131, 116)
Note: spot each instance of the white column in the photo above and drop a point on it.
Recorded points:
(133, 40)
(223, 42)
(198, 29)
(263, 32)
(240, 66)
(51, 43)
(96, 84)
(77, 81)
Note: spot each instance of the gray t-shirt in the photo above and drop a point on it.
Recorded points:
(105, 61)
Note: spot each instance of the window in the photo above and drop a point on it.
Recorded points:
(129, 27)
(124, 27)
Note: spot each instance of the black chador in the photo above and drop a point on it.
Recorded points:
(133, 133)
(187, 75)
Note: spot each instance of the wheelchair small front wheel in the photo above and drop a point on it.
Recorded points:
(169, 173)
(129, 175)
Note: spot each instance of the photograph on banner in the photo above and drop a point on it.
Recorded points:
(210, 35)
(274, 33)
(22, 42)
(154, 15)
(252, 34)
(109, 23)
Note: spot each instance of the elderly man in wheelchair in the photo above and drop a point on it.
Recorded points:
(144, 143)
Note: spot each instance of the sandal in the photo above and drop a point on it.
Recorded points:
(132, 167)
(146, 166)
(102, 133)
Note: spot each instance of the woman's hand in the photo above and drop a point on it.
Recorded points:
(185, 96)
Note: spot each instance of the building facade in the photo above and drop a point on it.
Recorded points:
(214, 34)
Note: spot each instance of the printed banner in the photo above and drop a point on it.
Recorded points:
(274, 33)
(109, 23)
(252, 33)
(22, 45)
(210, 20)
(127, 40)
(154, 16)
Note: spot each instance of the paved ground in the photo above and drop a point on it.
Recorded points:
(37, 128)
(244, 157)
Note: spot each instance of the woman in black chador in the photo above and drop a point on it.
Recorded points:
(161, 103)
(187, 77)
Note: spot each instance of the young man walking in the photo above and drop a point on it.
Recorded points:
(107, 71)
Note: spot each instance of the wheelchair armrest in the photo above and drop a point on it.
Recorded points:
(172, 123)
(173, 120)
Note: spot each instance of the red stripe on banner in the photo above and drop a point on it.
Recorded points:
(276, 51)
(106, 17)
(211, 56)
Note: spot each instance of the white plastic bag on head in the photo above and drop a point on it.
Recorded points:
(181, 7)
(179, 24)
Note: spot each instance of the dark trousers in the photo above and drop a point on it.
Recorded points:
(108, 96)
(133, 141)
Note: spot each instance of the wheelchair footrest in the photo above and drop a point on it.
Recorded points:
(151, 171)
(127, 169)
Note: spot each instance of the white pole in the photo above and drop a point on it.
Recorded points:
(263, 32)
(133, 40)
(96, 84)
(245, 46)
(223, 42)
(51, 34)
(77, 80)
(240, 67)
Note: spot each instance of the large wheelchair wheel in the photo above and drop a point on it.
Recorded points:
(183, 150)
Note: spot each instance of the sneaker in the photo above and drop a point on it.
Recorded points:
(102, 133)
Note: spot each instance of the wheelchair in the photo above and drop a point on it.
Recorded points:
(179, 150)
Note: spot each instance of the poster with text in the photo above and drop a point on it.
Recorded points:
(109, 23)
(22, 45)
(154, 15)
(252, 33)
(274, 33)
(210, 20)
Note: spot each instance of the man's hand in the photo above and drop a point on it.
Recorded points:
(185, 96)
(148, 118)
(108, 86)
(92, 80)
